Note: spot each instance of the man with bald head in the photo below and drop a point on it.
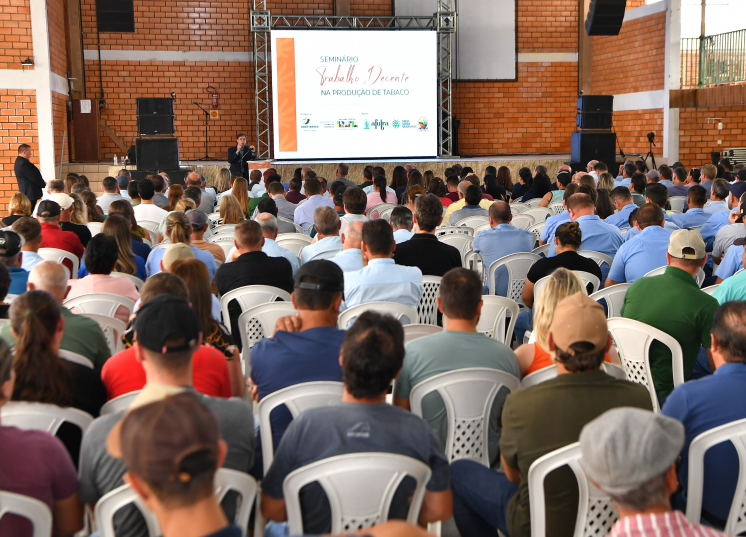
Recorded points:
(351, 256)
(270, 229)
(500, 240)
(81, 334)
(207, 203)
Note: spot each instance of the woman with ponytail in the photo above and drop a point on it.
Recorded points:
(33, 463)
(379, 194)
(179, 230)
(41, 375)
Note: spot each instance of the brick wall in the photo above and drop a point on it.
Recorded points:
(57, 22)
(15, 33)
(17, 126)
(697, 137)
(547, 26)
(371, 8)
(632, 128)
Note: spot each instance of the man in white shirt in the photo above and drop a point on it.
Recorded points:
(327, 242)
(110, 195)
(351, 256)
(147, 210)
(402, 221)
(354, 200)
(304, 214)
(270, 247)
(591, 169)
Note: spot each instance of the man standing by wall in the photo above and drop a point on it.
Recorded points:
(29, 178)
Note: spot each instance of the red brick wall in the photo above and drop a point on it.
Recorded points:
(17, 126)
(632, 128)
(56, 22)
(15, 33)
(59, 120)
(697, 137)
(371, 8)
(544, 26)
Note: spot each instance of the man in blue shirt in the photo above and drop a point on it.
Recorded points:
(500, 240)
(666, 175)
(695, 216)
(679, 186)
(719, 196)
(643, 253)
(551, 223)
(732, 261)
(307, 347)
(628, 170)
(473, 197)
(381, 279)
(303, 215)
(328, 243)
(709, 174)
(12, 257)
(624, 204)
(712, 401)
(351, 256)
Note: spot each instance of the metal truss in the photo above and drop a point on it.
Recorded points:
(262, 22)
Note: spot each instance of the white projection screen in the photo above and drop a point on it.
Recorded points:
(484, 44)
(345, 94)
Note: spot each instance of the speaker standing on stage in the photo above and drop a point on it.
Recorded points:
(239, 155)
(29, 177)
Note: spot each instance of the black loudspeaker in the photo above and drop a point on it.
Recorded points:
(150, 125)
(157, 153)
(605, 17)
(596, 103)
(594, 120)
(586, 146)
(161, 106)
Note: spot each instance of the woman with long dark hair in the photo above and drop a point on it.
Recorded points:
(523, 185)
(175, 193)
(504, 180)
(493, 188)
(541, 188)
(399, 180)
(89, 198)
(604, 205)
(379, 194)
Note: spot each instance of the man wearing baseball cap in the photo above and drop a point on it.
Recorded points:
(52, 235)
(66, 211)
(12, 257)
(198, 221)
(717, 221)
(631, 455)
(167, 333)
(673, 303)
(539, 420)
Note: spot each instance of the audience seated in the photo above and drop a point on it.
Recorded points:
(709, 174)
(327, 224)
(167, 335)
(539, 420)
(284, 207)
(294, 196)
(111, 193)
(117, 227)
(11, 257)
(628, 170)
(673, 303)
(206, 202)
(624, 205)
(380, 193)
(521, 187)
(678, 185)
(424, 250)
(473, 196)
(230, 210)
(350, 258)
(147, 209)
(461, 202)
(551, 223)
(159, 187)
(631, 455)
(637, 189)
(33, 463)
(137, 234)
(457, 347)
(198, 221)
(541, 187)
(371, 357)
(402, 222)
(732, 288)
(52, 235)
(341, 176)
(719, 220)
(695, 215)
(67, 208)
(179, 230)
(270, 231)
(304, 214)
(18, 207)
(102, 257)
(267, 206)
(355, 206)
(381, 279)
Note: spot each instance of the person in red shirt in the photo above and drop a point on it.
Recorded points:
(52, 235)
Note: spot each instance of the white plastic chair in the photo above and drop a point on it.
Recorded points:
(473, 260)
(427, 310)
(522, 221)
(380, 208)
(259, 322)
(225, 480)
(416, 331)
(699, 278)
(735, 433)
(296, 399)
(677, 203)
(536, 231)
(598, 257)
(113, 330)
(468, 395)
(75, 358)
(614, 370)
(614, 297)
(119, 403)
(518, 207)
(294, 242)
(539, 214)
(392, 308)
(473, 221)
(105, 304)
(557, 207)
(633, 339)
(482, 227)
(495, 312)
(711, 289)
(134, 279)
(537, 377)
(517, 265)
(95, 227)
(462, 243)
(354, 506)
(42, 417)
(224, 229)
(58, 256)
(298, 229)
(29, 508)
(589, 278)
(533, 202)
(249, 296)
(542, 251)
(152, 227)
(9, 298)
(449, 230)
(596, 512)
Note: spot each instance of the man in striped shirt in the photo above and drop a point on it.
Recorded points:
(630, 454)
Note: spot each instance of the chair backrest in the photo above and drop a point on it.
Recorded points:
(496, 310)
(614, 370)
(557, 207)
(376, 211)
(427, 310)
(468, 395)
(119, 403)
(249, 296)
(222, 238)
(42, 417)
(699, 278)
(711, 289)
(105, 304)
(112, 328)
(296, 399)
(533, 202)
(522, 221)
(327, 254)
(225, 480)
(294, 242)
(58, 256)
(482, 227)
(258, 322)
(75, 358)
(449, 230)
(633, 339)
(677, 203)
(29, 508)
(134, 279)
(415, 331)
(473, 221)
(537, 377)
(9, 298)
(598, 257)
(392, 308)
(152, 227)
(95, 227)
(586, 277)
(214, 218)
(462, 243)
(542, 251)
(596, 512)
(735, 433)
(353, 506)
(223, 228)
(536, 231)
(518, 208)
(517, 265)
(540, 214)
(298, 229)
(614, 297)
(473, 261)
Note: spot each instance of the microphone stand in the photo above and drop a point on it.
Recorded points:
(207, 133)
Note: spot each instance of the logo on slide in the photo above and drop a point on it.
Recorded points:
(396, 124)
(307, 121)
(378, 124)
(422, 123)
(367, 125)
(346, 124)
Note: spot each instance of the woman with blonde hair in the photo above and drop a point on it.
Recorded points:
(70, 181)
(179, 230)
(125, 207)
(89, 198)
(175, 193)
(241, 193)
(80, 211)
(222, 182)
(230, 210)
(18, 207)
(118, 227)
(605, 181)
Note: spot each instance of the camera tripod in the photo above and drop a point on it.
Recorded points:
(651, 156)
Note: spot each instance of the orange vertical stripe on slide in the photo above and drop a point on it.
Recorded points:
(286, 94)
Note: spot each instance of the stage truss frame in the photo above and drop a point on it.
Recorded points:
(262, 21)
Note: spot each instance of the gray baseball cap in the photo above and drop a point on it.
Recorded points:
(627, 447)
(123, 181)
(197, 218)
(653, 174)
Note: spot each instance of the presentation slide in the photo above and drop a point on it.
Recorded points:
(340, 94)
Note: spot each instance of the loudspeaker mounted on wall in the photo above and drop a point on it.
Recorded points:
(605, 17)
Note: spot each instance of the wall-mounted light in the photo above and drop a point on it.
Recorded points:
(28, 62)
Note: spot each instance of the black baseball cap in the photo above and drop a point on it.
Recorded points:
(10, 243)
(162, 317)
(48, 209)
(737, 189)
(320, 275)
(741, 174)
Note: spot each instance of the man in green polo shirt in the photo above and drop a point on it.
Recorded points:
(674, 304)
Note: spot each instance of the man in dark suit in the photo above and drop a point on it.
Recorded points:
(29, 177)
(239, 155)
(251, 267)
